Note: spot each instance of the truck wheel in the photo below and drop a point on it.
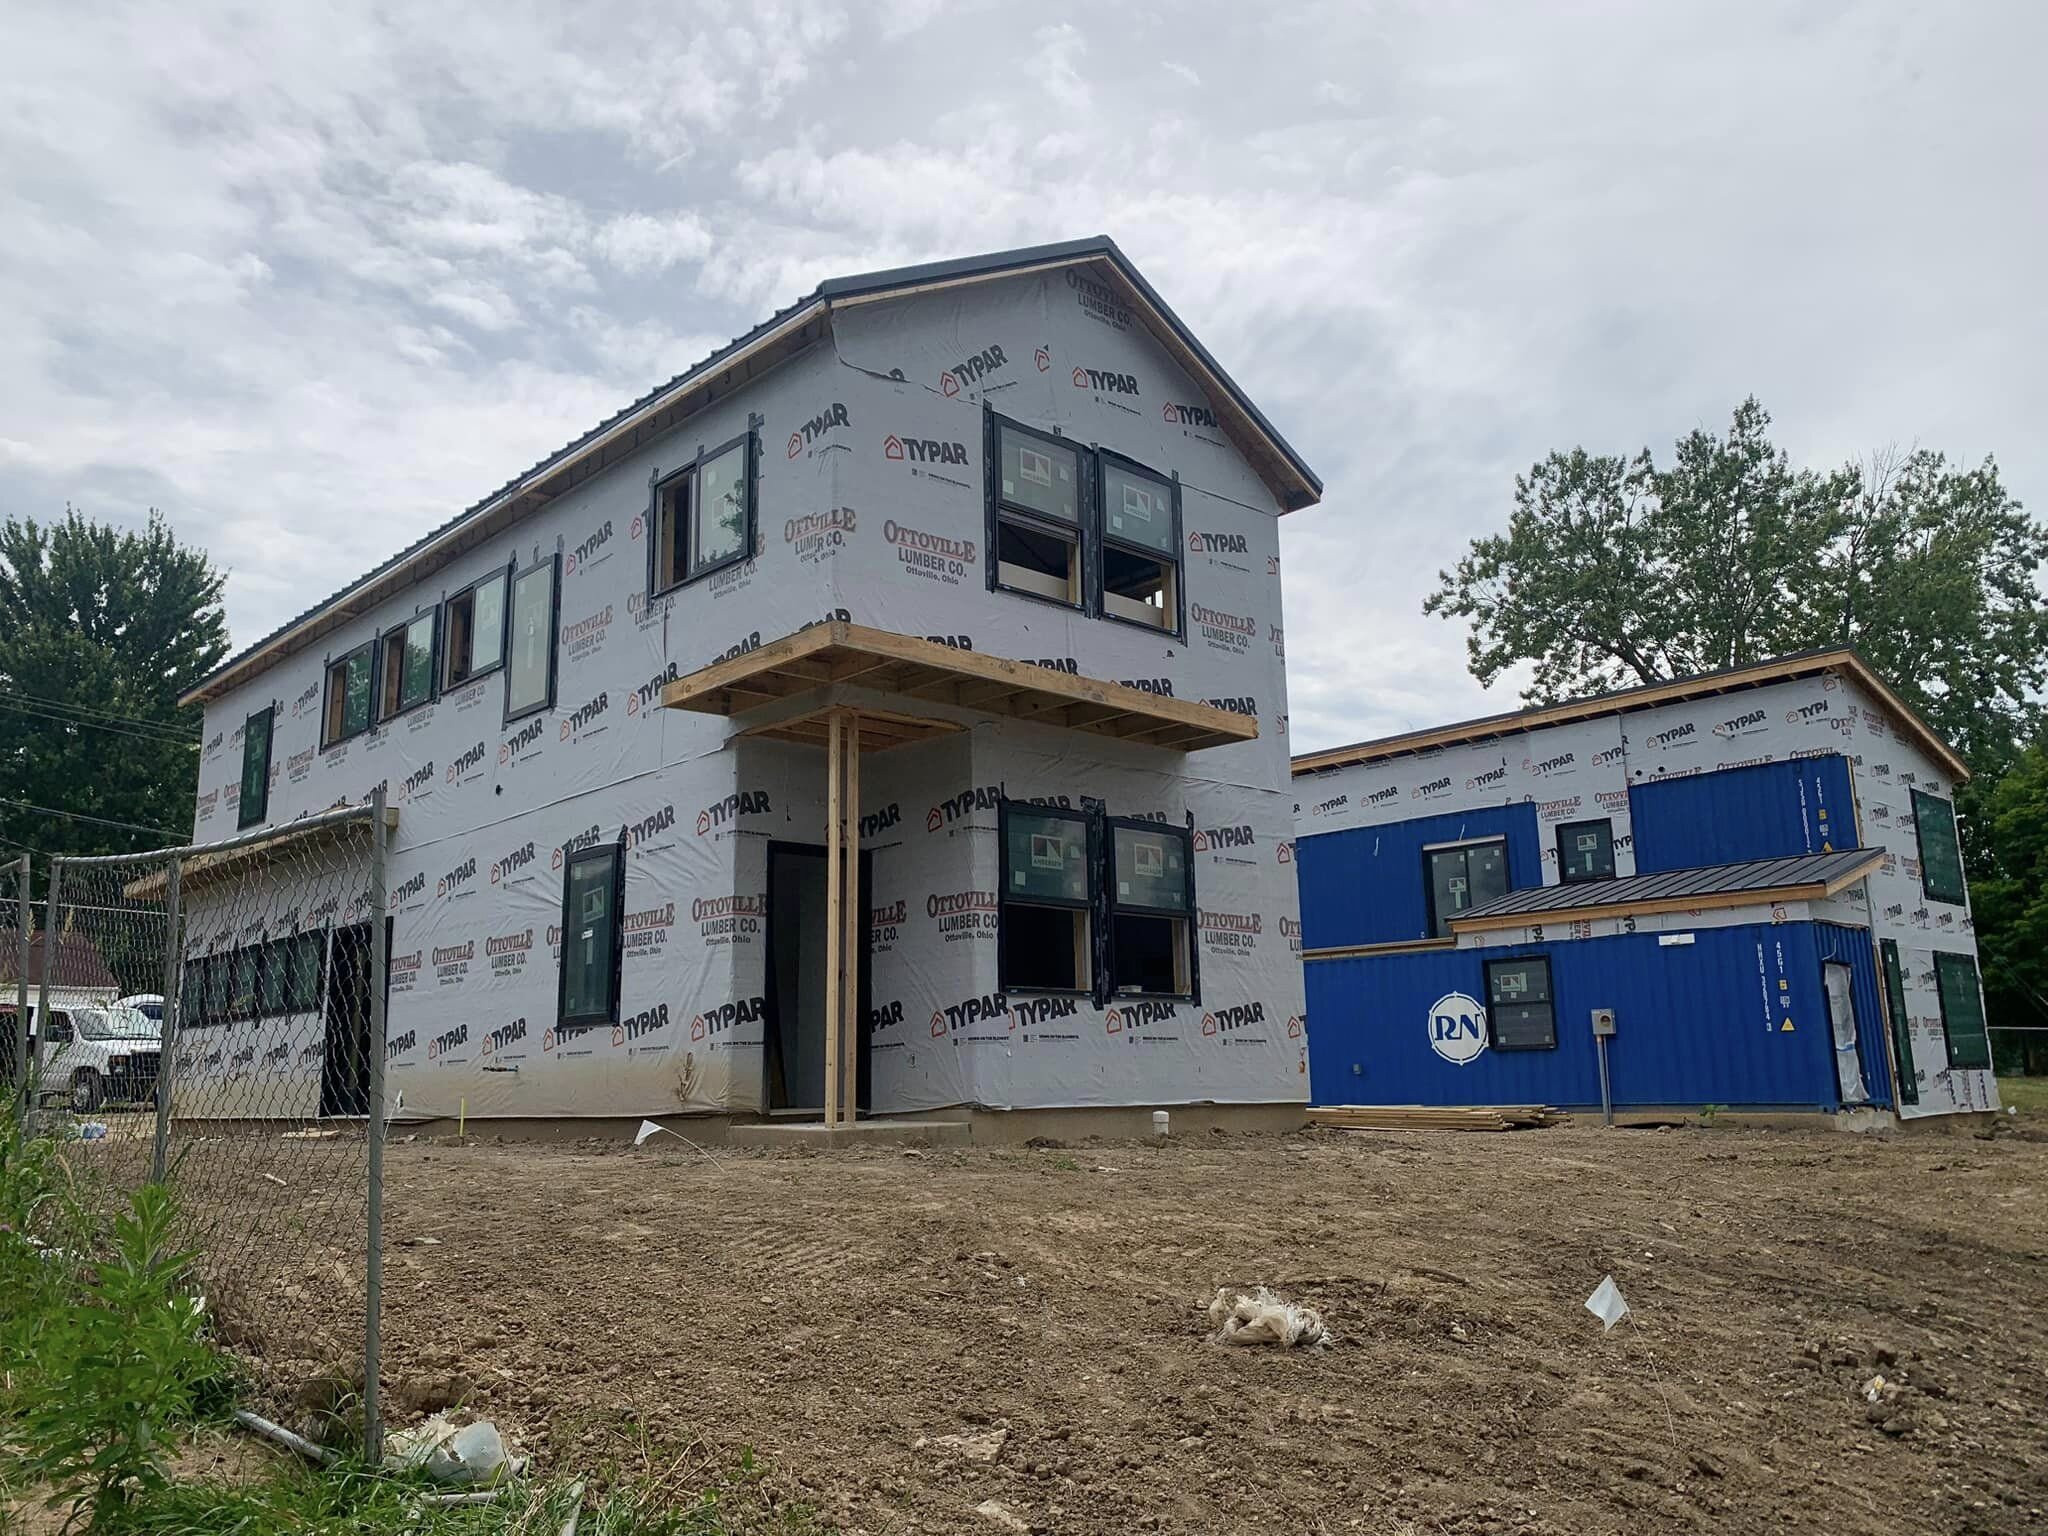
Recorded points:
(86, 1092)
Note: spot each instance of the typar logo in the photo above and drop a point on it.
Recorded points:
(594, 550)
(582, 840)
(1132, 1017)
(439, 1046)
(642, 700)
(826, 421)
(970, 1011)
(1383, 796)
(1224, 1021)
(651, 826)
(1201, 543)
(1740, 725)
(1105, 381)
(419, 781)
(1217, 839)
(511, 862)
(586, 719)
(923, 450)
(1487, 778)
(1238, 704)
(456, 881)
(1434, 789)
(1457, 1028)
(638, 1026)
(1329, 807)
(1664, 740)
(521, 741)
(306, 701)
(979, 797)
(469, 764)
(721, 814)
(1178, 415)
(410, 889)
(880, 821)
(1564, 762)
(888, 1016)
(713, 1022)
(969, 372)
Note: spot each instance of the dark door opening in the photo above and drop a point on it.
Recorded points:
(794, 1059)
(345, 1056)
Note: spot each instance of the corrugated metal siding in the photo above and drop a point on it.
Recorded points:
(1767, 811)
(1365, 886)
(1854, 947)
(1699, 1023)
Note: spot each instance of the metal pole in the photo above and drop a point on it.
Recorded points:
(373, 1289)
(18, 1049)
(50, 895)
(174, 950)
(1606, 1098)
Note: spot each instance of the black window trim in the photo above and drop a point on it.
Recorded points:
(503, 573)
(1088, 905)
(1892, 973)
(401, 629)
(615, 989)
(694, 473)
(243, 818)
(1549, 1001)
(373, 645)
(1189, 917)
(1429, 885)
(547, 702)
(1941, 999)
(1962, 895)
(1575, 826)
(996, 511)
(1097, 480)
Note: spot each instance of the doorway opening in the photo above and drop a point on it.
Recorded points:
(1841, 997)
(794, 1059)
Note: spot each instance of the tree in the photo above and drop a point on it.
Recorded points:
(1618, 572)
(2009, 899)
(100, 630)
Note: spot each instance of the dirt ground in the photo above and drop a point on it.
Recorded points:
(841, 1315)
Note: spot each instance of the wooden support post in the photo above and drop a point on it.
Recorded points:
(849, 1046)
(834, 962)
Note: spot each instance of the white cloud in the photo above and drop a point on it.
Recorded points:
(1183, 71)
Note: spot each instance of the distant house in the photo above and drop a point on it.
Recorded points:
(1756, 871)
(79, 972)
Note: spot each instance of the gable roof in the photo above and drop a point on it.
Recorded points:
(1628, 700)
(782, 335)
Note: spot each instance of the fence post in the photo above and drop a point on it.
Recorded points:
(373, 1289)
(17, 1048)
(174, 955)
(50, 903)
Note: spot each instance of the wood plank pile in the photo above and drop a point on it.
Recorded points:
(1430, 1117)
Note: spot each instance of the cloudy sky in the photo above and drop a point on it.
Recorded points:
(313, 277)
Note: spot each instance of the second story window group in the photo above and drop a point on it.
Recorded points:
(1083, 527)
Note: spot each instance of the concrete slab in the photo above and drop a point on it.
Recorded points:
(863, 1133)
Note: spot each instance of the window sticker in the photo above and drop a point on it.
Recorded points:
(1048, 852)
(1034, 466)
(1148, 861)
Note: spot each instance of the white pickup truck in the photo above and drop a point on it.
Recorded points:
(102, 1054)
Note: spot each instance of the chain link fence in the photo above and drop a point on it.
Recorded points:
(213, 1016)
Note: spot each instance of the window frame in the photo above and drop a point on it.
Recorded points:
(1189, 917)
(1092, 939)
(691, 476)
(1465, 846)
(374, 647)
(1962, 887)
(1098, 483)
(244, 817)
(402, 632)
(1577, 826)
(1549, 999)
(616, 853)
(996, 510)
(1941, 998)
(501, 573)
(547, 702)
(1892, 973)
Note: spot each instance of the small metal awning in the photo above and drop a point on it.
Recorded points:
(204, 864)
(1754, 882)
(790, 688)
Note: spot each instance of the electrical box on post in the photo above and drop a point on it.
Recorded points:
(1603, 1022)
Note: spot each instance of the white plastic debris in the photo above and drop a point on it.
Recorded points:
(1162, 1122)
(1260, 1317)
(647, 1128)
(472, 1454)
(1606, 1303)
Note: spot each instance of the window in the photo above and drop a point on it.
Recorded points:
(703, 516)
(255, 802)
(1519, 1007)
(1962, 1012)
(1941, 857)
(1044, 930)
(1902, 1025)
(1151, 910)
(1140, 546)
(270, 978)
(60, 1031)
(530, 668)
(1036, 519)
(1462, 877)
(592, 890)
(408, 665)
(349, 691)
(244, 964)
(475, 639)
(1585, 851)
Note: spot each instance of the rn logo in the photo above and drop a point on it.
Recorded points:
(834, 415)
(1457, 1029)
(967, 374)
(923, 450)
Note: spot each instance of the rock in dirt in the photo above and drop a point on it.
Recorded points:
(998, 1513)
(984, 1446)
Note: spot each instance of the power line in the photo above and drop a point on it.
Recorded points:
(96, 725)
(72, 706)
(104, 821)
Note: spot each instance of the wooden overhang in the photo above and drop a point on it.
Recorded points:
(788, 690)
(202, 867)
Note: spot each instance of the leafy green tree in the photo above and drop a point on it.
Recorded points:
(101, 629)
(2009, 899)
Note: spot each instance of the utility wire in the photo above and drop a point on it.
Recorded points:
(50, 810)
(30, 711)
(72, 706)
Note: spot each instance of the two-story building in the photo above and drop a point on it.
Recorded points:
(888, 711)
(1753, 876)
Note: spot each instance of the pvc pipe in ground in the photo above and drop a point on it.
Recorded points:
(283, 1437)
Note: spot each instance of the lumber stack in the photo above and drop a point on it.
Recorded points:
(1434, 1117)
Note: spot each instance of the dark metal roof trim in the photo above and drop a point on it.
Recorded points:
(1714, 884)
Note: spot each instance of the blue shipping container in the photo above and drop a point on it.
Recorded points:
(1702, 1018)
(1765, 811)
(1367, 885)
